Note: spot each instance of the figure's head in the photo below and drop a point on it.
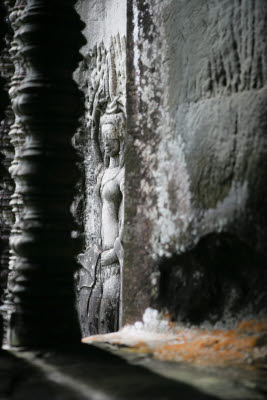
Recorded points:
(113, 126)
(112, 147)
(113, 133)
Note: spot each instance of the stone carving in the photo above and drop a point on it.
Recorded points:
(6, 155)
(16, 137)
(49, 105)
(101, 276)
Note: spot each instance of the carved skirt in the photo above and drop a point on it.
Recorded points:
(109, 306)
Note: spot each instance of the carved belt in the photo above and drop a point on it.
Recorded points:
(109, 270)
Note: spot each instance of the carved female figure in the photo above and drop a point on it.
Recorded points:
(99, 278)
(105, 297)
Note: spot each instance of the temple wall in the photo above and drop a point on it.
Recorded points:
(103, 18)
(195, 155)
(195, 209)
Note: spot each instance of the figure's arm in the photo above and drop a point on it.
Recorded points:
(95, 137)
(121, 210)
(118, 244)
(94, 124)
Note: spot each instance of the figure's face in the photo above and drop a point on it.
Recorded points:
(111, 146)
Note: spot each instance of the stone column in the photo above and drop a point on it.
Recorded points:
(49, 104)
(6, 149)
(15, 136)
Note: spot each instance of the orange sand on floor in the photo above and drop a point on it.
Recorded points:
(246, 345)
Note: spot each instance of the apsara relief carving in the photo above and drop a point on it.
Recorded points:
(100, 277)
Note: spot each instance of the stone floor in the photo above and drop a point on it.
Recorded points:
(84, 373)
(152, 359)
(225, 363)
(89, 372)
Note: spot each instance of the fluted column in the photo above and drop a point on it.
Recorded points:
(49, 104)
(15, 133)
(6, 152)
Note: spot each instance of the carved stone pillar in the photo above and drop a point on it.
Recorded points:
(6, 151)
(15, 132)
(49, 104)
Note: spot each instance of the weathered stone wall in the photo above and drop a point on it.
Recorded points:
(103, 18)
(195, 207)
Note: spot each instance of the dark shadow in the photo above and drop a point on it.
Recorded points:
(220, 276)
(86, 366)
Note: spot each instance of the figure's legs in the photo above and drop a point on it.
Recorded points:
(94, 307)
(83, 296)
(109, 308)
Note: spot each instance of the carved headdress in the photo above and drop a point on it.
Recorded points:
(114, 116)
(107, 88)
(107, 96)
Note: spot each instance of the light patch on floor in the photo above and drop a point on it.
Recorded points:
(244, 346)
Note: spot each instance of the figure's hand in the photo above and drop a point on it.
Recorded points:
(103, 98)
(94, 119)
(88, 122)
(108, 257)
(118, 248)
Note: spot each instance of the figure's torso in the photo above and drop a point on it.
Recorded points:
(111, 197)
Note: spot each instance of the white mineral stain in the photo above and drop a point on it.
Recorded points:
(164, 174)
(219, 216)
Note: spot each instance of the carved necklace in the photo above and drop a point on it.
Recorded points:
(109, 175)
